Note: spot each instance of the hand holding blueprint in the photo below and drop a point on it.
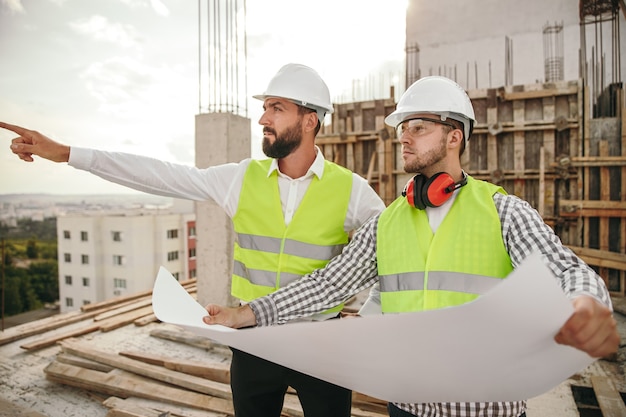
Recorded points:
(499, 347)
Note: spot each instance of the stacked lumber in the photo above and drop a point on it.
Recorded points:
(138, 383)
(142, 384)
(104, 316)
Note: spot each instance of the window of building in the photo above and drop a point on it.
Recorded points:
(176, 275)
(192, 252)
(172, 256)
(85, 282)
(172, 234)
(84, 236)
(84, 259)
(69, 302)
(66, 234)
(192, 273)
(116, 236)
(85, 302)
(67, 257)
(192, 231)
(118, 260)
(68, 280)
(119, 283)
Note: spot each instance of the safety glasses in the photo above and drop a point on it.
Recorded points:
(418, 127)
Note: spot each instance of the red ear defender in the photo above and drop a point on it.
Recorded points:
(422, 192)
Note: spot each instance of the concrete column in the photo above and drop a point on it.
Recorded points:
(220, 138)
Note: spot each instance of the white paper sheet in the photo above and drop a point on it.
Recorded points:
(499, 347)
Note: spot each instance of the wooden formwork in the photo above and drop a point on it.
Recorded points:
(536, 141)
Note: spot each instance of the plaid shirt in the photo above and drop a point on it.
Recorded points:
(523, 232)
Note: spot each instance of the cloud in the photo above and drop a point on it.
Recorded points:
(13, 6)
(159, 7)
(116, 81)
(100, 29)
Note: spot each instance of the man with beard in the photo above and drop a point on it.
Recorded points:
(448, 239)
(291, 214)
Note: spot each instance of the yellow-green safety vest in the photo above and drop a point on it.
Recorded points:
(421, 270)
(268, 254)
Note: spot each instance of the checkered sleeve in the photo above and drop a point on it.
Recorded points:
(354, 270)
(525, 232)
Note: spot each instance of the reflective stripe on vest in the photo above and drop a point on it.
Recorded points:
(269, 255)
(438, 280)
(291, 247)
(419, 270)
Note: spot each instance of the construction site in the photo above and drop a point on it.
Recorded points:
(559, 143)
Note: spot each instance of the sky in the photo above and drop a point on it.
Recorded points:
(122, 75)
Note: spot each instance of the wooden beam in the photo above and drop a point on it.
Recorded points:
(547, 92)
(601, 258)
(592, 208)
(124, 385)
(186, 338)
(610, 401)
(161, 406)
(204, 386)
(218, 372)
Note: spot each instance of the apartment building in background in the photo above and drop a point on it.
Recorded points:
(102, 256)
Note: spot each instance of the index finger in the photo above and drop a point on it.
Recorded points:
(14, 128)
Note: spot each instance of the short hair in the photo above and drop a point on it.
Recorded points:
(306, 110)
(457, 125)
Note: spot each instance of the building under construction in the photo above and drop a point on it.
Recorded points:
(546, 82)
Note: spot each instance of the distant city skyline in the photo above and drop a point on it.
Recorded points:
(123, 75)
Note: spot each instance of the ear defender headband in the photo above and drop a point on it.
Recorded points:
(422, 192)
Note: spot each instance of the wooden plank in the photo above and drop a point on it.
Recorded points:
(547, 92)
(595, 204)
(124, 309)
(115, 412)
(218, 372)
(127, 385)
(52, 340)
(202, 385)
(186, 338)
(82, 362)
(542, 184)
(150, 318)
(162, 407)
(609, 399)
(42, 326)
(492, 144)
(600, 258)
(125, 318)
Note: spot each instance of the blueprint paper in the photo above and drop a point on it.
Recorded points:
(499, 347)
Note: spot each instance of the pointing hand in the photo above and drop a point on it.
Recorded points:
(31, 143)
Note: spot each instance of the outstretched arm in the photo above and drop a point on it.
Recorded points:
(31, 143)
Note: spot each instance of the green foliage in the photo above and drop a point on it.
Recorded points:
(44, 280)
(30, 274)
(32, 252)
(12, 294)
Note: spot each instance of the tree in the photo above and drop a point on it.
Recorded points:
(43, 277)
(32, 252)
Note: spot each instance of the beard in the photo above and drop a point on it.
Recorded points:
(285, 143)
(427, 159)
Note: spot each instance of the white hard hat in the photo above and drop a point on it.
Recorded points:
(303, 86)
(436, 95)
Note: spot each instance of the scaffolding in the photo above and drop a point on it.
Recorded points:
(222, 57)
(599, 35)
(553, 52)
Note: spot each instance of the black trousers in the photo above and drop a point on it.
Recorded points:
(396, 412)
(259, 388)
